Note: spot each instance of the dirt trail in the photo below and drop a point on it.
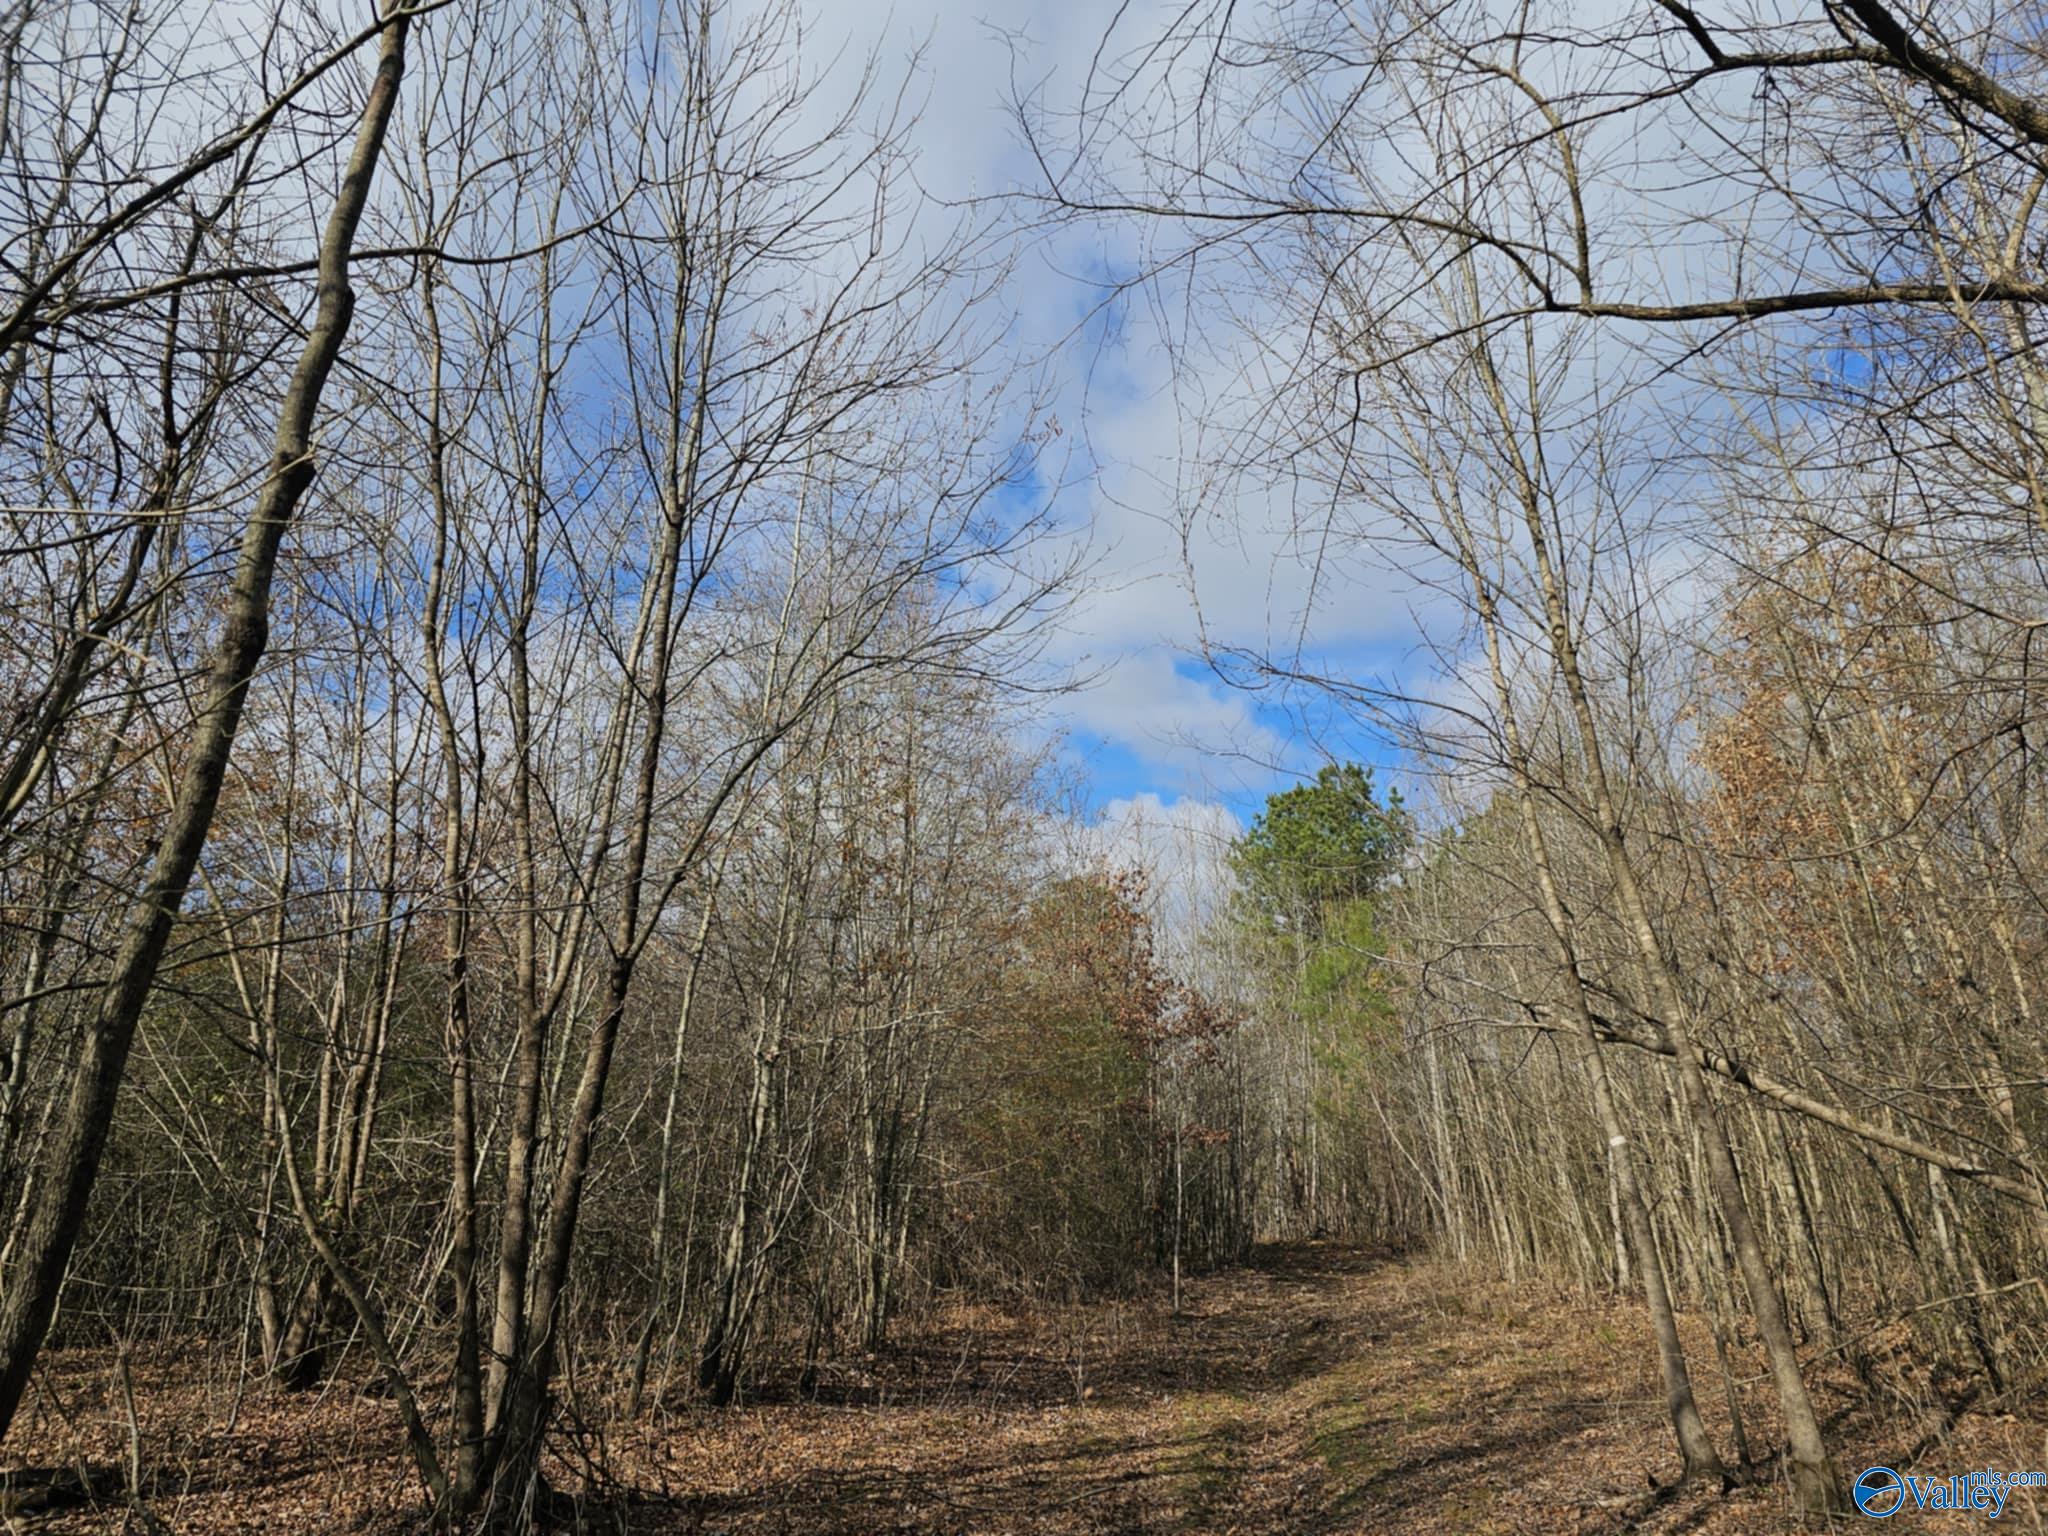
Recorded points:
(1320, 1389)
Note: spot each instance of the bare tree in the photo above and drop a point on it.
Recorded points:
(72, 1154)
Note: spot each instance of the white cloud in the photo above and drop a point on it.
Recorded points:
(1165, 578)
(1182, 848)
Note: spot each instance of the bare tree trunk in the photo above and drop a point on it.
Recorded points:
(719, 1360)
(664, 1174)
(1818, 1481)
(1696, 1449)
(73, 1159)
(1819, 1484)
(457, 917)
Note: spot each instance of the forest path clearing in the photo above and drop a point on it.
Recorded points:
(1319, 1389)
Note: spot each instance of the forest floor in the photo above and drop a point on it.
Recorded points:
(1319, 1389)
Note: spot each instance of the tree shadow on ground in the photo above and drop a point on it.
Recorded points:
(1314, 1391)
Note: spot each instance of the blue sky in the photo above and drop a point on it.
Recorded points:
(1174, 558)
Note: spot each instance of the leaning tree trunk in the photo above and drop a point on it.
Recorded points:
(73, 1157)
(1696, 1449)
(1818, 1482)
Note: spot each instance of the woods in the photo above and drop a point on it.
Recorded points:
(1718, 462)
(549, 878)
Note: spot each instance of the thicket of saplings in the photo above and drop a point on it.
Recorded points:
(526, 547)
(1838, 872)
(1840, 889)
(875, 1069)
(523, 539)
(1681, 364)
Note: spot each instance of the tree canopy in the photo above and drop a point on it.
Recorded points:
(1321, 844)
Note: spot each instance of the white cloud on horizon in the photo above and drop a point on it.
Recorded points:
(1182, 849)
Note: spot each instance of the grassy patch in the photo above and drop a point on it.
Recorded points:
(1211, 1451)
(1345, 1433)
